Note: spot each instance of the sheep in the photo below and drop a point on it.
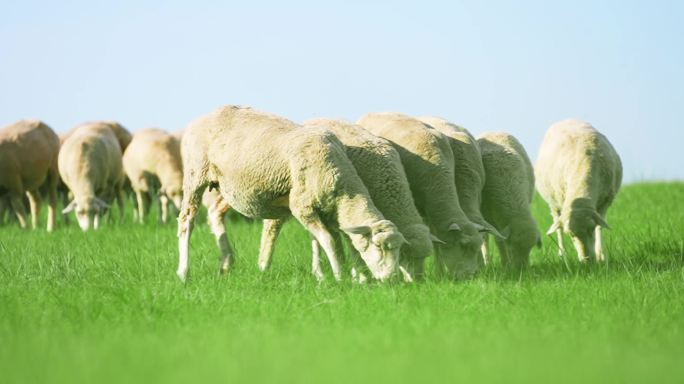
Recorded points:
(429, 164)
(153, 159)
(379, 167)
(578, 174)
(268, 167)
(506, 198)
(90, 165)
(28, 164)
(469, 173)
(123, 136)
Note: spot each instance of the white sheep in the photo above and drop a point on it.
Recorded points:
(378, 165)
(469, 173)
(268, 167)
(506, 197)
(153, 160)
(28, 164)
(578, 174)
(429, 164)
(90, 165)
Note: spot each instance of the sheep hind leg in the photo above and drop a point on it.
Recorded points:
(269, 235)
(216, 215)
(34, 204)
(186, 218)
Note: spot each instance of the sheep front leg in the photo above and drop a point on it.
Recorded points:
(141, 206)
(34, 203)
(269, 235)
(316, 260)
(163, 208)
(561, 246)
(504, 252)
(486, 256)
(52, 208)
(326, 240)
(120, 202)
(598, 246)
(3, 209)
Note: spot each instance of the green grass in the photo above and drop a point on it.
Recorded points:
(106, 306)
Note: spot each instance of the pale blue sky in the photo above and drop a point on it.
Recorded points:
(488, 65)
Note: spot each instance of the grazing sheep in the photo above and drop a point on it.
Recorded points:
(90, 165)
(469, 172)
(378, 165)
(268, 167)
(153, 160)
(123, 136)
(28, 165)
(578, 174)
(429, 164)
(506, 197)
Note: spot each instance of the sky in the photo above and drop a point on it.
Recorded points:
(515, 66)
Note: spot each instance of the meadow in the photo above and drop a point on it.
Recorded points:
(106, 306)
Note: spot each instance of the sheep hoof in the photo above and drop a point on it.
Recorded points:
(182, 275)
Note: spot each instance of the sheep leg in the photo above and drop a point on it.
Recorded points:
(3, 210)
(120, 202)
(65, 203)
(141, 206)
(269, 234)
(34, 203)
(326, 241)
(189, 207)
(218, 228)
(561, 246)
(600, 256)
(18, 206)
(316, 260)
(163, 208)
(504, 252)
(52, 208)
(486, 256)
(96, 220)
(358, 271)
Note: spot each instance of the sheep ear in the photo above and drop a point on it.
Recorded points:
(436, 239)
(454, 227)
(600, 221)
(554, 227)
(360, 230)
(486, 227)
(69, 207)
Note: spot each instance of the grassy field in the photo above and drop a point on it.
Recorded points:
(106, 306)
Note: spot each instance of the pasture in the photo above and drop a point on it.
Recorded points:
(106, 306)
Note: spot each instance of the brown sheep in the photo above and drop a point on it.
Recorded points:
(28, 164)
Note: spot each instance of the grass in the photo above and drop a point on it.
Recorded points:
(106, 306)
